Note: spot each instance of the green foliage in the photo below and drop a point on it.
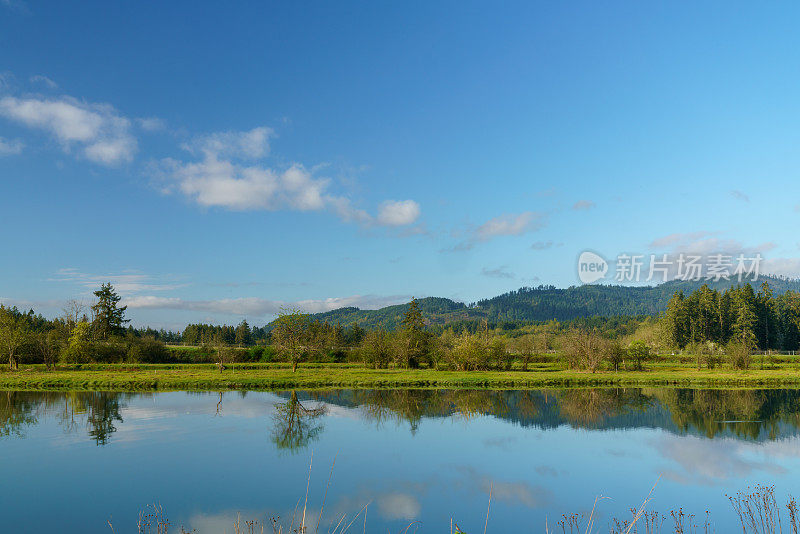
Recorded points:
(739, 354)
(243, 334)
(469, 353)
(540, 304)
(79, 347)
(291, 334)
(413, 342)
(147, 350)
(739, 315)
(639, 352)
(614, 354)
(376, 349)
(108, 316)
(525, 345)
(14, 334)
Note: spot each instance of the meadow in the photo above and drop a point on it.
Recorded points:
(549, 371)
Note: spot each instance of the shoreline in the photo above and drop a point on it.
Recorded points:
(335, 376)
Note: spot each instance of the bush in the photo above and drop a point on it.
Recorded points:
(268, 355)
(498, 354)
(147, 350)
(614, 354)
(107, 352)
(639, 352)
(376, 350)
(739, 355)
(256, 353)
(583, 350)
(469, 353)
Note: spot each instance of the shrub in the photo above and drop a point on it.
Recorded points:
(639, 352)
(376, 349)
(498, 354)
(583, 350)
(256, 353)
(525, 345)
(470, 353)
(107, 352)
(79, 346)
(739, 355)
(614, 354)
(268, 355)
(148, 350)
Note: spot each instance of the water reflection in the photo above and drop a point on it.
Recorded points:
(95, 411)
(750, 414)
(296, 418)
(295, 425)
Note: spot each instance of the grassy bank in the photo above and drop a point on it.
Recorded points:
(315, 376)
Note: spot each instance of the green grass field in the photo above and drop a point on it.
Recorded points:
(317, 376)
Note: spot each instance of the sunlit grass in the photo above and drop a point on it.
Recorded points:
(316, 375)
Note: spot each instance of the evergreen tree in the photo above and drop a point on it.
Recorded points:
(766, 318)
(744, 327)
(243, 334)
(108, 317)
(413, 342)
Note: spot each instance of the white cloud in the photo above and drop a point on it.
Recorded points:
(398, 212)
(677, 239)
(126, 283)
(10, 147)
(509, 224)
(789, 267)
(222, 183)
(227, 176)
(97, 129)
(346, 212)
(583, 205)
(708, 245)
(705, 243)
(253, 144)
(151, 124)
(258, 307)
(44, 80)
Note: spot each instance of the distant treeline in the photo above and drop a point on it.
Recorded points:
(542, 303)
(738, 314)
(714, 326)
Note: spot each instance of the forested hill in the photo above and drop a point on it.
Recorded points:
(543, 303)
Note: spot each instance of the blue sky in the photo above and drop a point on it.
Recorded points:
(217, 161)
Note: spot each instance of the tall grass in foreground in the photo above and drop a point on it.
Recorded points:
(756, 509)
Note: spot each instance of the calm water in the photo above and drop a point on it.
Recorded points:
(69, 461)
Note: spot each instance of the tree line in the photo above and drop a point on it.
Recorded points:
(758, 320)
(709, 325)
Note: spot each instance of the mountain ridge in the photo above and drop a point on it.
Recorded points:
(544, 303)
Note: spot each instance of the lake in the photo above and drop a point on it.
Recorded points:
(73, 461)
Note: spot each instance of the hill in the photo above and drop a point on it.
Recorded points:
(543, 303)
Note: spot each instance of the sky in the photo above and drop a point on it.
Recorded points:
(219, 161)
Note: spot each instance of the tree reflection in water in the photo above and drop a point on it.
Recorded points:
(749, 414)
(98, 411)
(746, 414)
(295, 425)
